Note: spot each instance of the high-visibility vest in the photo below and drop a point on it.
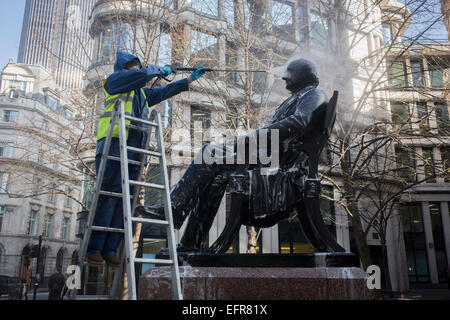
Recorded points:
(105, 118)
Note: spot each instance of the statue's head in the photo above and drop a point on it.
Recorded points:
(299, 74)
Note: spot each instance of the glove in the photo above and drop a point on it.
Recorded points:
(197, 74)
(167, 71)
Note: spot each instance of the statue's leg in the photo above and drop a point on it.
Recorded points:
(195, 236)
(232, 226)
(320, 229)
(308, 229)
(186, 194)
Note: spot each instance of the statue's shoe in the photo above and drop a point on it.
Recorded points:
(156, 212)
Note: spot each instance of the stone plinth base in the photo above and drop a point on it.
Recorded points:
(219, 283)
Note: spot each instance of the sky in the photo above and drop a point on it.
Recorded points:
(11, 16)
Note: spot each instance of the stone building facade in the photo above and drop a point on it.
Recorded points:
(39, 184)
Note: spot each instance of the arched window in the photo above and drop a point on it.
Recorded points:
(75, 257)
(60, 260)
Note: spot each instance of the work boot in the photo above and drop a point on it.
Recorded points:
(113, 261)
(157, 212)
(95, 259)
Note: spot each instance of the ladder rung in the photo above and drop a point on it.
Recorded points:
(149, 123)
(112, 194)
(150, 221)
(118, 159)
(133, 127)
(147, 185)
(153, 261)
(148, 152)
(105, 229)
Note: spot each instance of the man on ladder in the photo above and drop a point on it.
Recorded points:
(126, 83)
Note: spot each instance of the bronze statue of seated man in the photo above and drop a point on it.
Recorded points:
(267, 199)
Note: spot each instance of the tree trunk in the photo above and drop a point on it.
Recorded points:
(360, 236)
(385, 266)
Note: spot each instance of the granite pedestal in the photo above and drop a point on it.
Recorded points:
(335, 276)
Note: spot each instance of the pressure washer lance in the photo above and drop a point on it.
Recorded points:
(176, 69)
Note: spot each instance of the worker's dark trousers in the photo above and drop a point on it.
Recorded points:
(109, 212)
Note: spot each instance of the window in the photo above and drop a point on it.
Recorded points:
(166, 113)
(417, 73)
(150, 249)
(2, 215)
(397, 74)
(445, 156)
(387, 33)
(406, 165)
(319, 29)
(68, 202)
(13, 94)
(52, 196)
(32, 224)
(36, 187)
(52, 102)
(229, 12)
(415, 245)
(44, 125)
(68, 114)
(202, 43)
(65, 229)
(6, 149)
(436, 76)
(422, 114)
(281, 13)
(48, 226)
(438, 238)
(10, 116)
(4, 181)
(40, 156)
(18, 85)
(87, 187)
(282, 20)
(165, 49)
(210, 7)
(291, 238)
(401, 119)
(200, 120)
(428, 164)
(442, 119)
(114, 37)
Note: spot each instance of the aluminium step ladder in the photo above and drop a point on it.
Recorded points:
(126, 253)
